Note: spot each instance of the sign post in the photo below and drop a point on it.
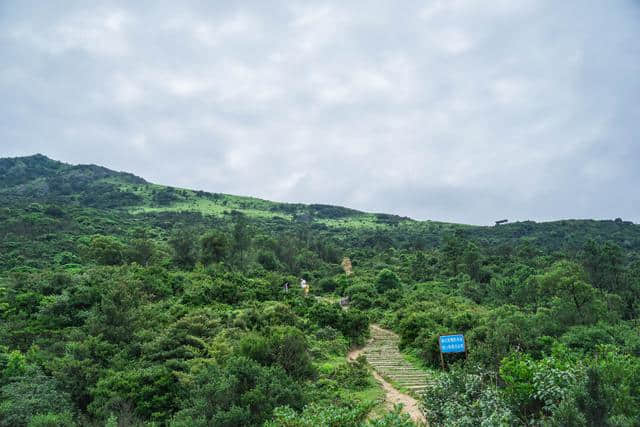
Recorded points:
(451, 344)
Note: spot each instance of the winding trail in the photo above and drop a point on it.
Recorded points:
(384, 357)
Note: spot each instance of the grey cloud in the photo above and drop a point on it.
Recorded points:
(446, 110)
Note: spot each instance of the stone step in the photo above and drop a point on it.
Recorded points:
(394, 373)
(385, 359)
(407, 385)
(411, 374)
(395, 370)
(400, 369)
(383, 355)
(409, 377)
(390, 365)
(410, 383)
(394, 367)
(403, 364)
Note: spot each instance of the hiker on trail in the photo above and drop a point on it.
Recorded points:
(305, 286)
(286, 286)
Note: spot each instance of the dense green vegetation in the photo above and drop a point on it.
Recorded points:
(128, 303)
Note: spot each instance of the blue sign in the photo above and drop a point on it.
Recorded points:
(452, 343)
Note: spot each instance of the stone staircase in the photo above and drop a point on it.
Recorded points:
(383, 355)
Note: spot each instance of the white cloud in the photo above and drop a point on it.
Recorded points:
(96, 32)
(453, 41)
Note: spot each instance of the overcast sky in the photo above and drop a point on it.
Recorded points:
(465, 111)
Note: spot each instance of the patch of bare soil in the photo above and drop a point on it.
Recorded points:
(394, 397)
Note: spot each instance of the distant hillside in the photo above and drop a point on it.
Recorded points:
(19, 171)
(38, 179)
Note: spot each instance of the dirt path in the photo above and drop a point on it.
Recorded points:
(382, 352)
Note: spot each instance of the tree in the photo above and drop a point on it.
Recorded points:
(241, 236)
(292, 352)
(29, 395)
(387, 280)
(150, 393)
(184, 249)
(213, 247)
(420, 268)
(241, 393)
(106, 250)
(471, 257)
(604, 264)
(453, 250)
(355, 326)
(141, 251)
(593, 401)
(165, 196)
(564, 288)
(268, 260)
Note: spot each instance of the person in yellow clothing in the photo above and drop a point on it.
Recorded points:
(305, 286)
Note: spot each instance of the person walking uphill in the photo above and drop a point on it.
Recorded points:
(305, 286)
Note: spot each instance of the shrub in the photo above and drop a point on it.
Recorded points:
(466, 397)
(30, 395)
(242, 393)
(387, 280)
(64, 419)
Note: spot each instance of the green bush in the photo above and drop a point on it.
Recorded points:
(466, 397)
(387, 280)
(30, 395)
(242, 393)
(52, 420)
(150, 391)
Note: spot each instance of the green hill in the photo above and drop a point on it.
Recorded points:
(39, 179)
